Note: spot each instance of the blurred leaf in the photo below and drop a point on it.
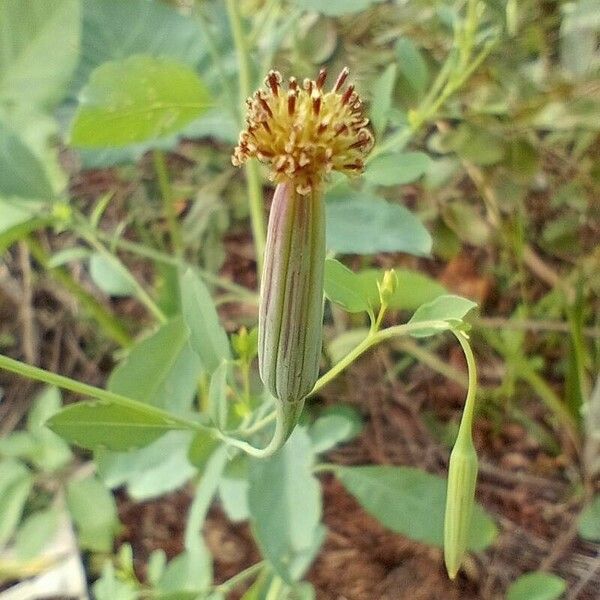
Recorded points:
(233, 492)
(159, 468)
(444, 308)
(94, 513)
(201, 449)
(589, 521)
(159, 31)
(137, 99)
(40, 49)
(318, 40)
(188, 574)
(369, 225)
(336, 7)
(536, 586)
(397, 169)
(16, 482)
(109, 279)
(98, 423)
(381, 102)
(336, 424)
(344, 287)
(50, 452)
(411, 502)
(109, 587)
(412, 65)
(579, 37)
(467, 222)
(475, 144)
(35, 532)
(218, 408)
(207, 337)
(285, 507)
(21, 172)
(161, 370)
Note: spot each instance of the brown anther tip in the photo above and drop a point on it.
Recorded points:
(293, 83)
(339, 82)
(273, 81)
(291, 102)
(316, 105)
(321, 78)
(347, 94)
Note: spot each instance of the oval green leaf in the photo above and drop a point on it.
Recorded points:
(397, 169)
(447, 308)
(138, 99)
(536, 586)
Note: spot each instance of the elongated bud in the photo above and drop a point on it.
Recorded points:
(387, 287)
(462, 477)
(290, 318)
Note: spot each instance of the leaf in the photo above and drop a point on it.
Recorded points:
(218, 408)
(368, 225)
(383, 88)
(207, 337)
(335, 8)
(109, 587)
(110, 280)
(49, 452)
(16, 482)
(22, 174)
(161, 370)
(589, 521)
(397, 169)
(344, 287)
(40, 47)
(447, 308)
(159, 31)
(35, 532)
(412, 65)
(137, 99)
(536, 586)
(98, 423)
(284, 499)
(94, 513)
(201, 449)
(149, 472)
(411, 502)
(335, 425)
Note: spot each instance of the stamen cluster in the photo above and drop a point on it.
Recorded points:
(305, 133)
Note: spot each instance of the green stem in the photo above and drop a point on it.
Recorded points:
(66, 383)
(248, 573)
(166, 191)
(161, 257)
(373, 338)
(142, 295)
(109, 322)
(255, 199)
(287, 414)
(466, 423)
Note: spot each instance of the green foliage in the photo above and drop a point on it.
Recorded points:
(94, 513)
(411, 502)
(336, 7)
(16, 482)
(397, 169)
(138, 99)
(537, 586)
(367, 225)
(447, 308)
(284, 499)
(102, 424)
(589, 521)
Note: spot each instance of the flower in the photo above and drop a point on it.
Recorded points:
(304, 133)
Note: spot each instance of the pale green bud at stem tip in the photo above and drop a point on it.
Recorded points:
(387, 287)
(462, 478)
(290, 321)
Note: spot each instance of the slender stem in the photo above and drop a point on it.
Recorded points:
(466, 423)
(287, 414)
(156, 255)
(247, 573)
(275, 589)
(66, 383)
(373, 338)
(258, 425)
(142, 295)
(166, 191)
(107, 320)
(255, 199)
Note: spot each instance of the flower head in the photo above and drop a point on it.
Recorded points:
(303, 132)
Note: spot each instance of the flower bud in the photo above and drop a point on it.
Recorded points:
(462, 477)
(387, 286)
(290, 318)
